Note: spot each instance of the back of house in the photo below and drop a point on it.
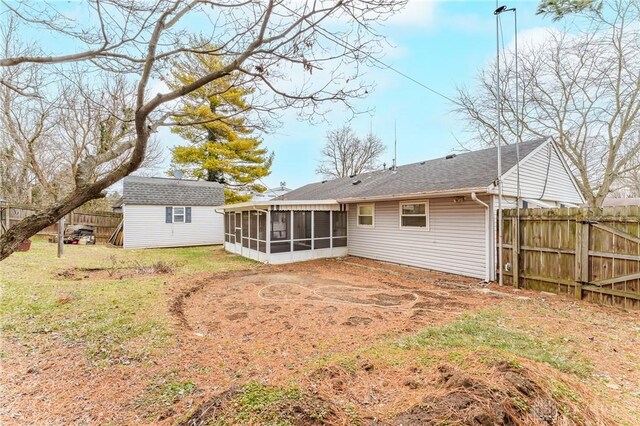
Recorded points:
(438, 214)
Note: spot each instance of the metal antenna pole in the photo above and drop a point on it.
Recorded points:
(500, 277)
(518, 135)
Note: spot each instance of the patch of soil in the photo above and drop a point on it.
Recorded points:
(119, 273)
(509, 396)
(309, 410)
(358, 321)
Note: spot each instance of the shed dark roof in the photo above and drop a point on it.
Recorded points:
(167, 191)
(473, 169)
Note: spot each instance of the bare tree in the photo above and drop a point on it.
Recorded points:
(581, 86)
(294, 54)
(344, 154)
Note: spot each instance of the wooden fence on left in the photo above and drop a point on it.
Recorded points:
(103, 222)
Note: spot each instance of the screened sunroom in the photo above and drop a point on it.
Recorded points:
(283, 232)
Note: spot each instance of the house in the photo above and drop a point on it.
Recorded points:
(438, 214)
(164, 212)
(271, 193)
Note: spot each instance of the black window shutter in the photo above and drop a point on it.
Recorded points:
(187, 214)
(168, 214)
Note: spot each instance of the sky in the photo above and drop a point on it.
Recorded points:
(440, 43)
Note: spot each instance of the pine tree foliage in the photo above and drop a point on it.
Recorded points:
(215, 121)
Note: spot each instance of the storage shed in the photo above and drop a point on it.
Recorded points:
(438, 214)
(165, 212)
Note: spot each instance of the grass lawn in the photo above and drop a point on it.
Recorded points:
(114, 319)
(97, 337)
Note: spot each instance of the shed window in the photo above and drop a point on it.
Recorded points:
(178, 214)
(414, 215)
(366, 214)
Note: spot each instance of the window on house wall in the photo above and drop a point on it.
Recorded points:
(339, 229)
(414, 215)
(175, 214)
(366, 214)
(321, 231)
(280, 231)
(178, 214)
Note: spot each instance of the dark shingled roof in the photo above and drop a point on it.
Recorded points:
(171, 192)
(473, 169)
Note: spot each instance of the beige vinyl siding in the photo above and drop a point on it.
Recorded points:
(533, 171)
(455, 241)
(145, 227)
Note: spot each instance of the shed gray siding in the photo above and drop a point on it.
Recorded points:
(454, 243)
(543, 176)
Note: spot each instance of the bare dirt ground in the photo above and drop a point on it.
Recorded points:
(343, 342)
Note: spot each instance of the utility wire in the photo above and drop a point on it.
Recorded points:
(347, 45)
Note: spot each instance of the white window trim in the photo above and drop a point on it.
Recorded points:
(426, 215)
(373, 215)
(184, 214)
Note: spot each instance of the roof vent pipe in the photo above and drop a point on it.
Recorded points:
(450, 156)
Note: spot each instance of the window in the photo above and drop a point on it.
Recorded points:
(365, 214)
(414, 215)
(178, 214)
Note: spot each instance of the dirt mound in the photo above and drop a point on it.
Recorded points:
(259, 404)
(114, 272)
(510, 395)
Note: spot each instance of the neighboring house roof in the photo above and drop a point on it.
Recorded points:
(469, 170)
(167, 191)
(613, 202)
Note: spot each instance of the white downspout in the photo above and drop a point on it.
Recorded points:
(487, 243)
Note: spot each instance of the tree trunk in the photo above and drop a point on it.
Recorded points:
(31, 225)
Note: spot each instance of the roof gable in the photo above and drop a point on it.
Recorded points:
(469, 170)
(167, 191)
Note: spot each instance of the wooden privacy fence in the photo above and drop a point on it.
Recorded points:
(103, 222)
(591, 254)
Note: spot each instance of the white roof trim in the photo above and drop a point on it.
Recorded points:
(269, 203)
(415, 195)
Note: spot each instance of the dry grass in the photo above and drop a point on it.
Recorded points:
(166, 336)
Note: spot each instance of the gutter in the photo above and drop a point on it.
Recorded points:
(487, 254)
(443, 193)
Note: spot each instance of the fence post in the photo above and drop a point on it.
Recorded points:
(582, 257)
(515, 249)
